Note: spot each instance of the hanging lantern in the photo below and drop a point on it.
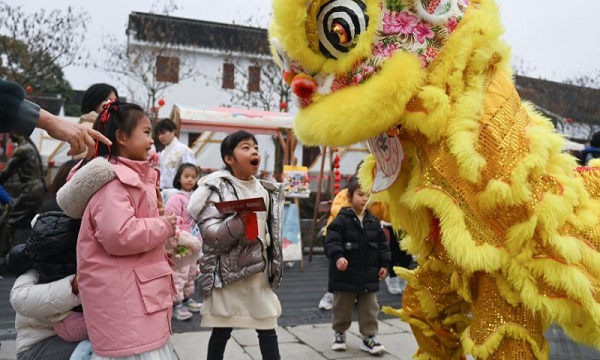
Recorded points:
(29, 89)
(283, 106)
(336, 172)
(161, 102)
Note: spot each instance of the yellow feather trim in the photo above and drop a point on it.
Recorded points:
(485, 350)
(335, 118)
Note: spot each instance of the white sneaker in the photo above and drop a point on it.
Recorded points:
(403, 284)
(393, 285)
(326, 301)
(182, 313)
(339, 342)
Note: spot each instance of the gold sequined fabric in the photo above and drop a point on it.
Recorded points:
(492, 313)
(431, 300)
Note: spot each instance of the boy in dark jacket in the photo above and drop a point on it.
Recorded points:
(358, 259)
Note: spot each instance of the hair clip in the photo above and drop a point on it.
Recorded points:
(110, 104)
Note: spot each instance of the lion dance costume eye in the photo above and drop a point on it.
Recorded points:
(334, 27)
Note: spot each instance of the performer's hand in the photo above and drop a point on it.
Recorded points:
(382, 273)
(341, 264)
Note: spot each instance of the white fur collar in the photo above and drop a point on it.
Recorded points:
(74, 196)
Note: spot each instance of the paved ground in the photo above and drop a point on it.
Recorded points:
(304, 333)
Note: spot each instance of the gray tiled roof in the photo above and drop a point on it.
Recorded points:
(578, 103)
(199, 33)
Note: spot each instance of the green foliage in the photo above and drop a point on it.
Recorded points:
(36, 47)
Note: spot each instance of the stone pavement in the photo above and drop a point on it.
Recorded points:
(304, 342)
(304, 332)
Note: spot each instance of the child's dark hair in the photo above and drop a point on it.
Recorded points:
(180, 169)
(164, 125)
(231, 141)
(116, 116)
(96, 95)
(353, 185)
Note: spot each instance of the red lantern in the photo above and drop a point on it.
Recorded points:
(283, 106)
(29, 89)
(569, 120)
(161, 102)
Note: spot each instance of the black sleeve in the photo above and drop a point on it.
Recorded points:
(334, 248)
(384, 255)
(16, 113)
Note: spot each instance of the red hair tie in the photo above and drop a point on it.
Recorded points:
(105, 116)
(110, 105)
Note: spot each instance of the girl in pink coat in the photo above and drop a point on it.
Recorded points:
(124, 279)
(185, 182)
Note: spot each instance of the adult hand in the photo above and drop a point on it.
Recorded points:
(79, 137)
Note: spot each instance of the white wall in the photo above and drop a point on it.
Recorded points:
(205, 90)
(202, 90)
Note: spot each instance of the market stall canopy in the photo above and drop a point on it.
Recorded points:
(221, 119)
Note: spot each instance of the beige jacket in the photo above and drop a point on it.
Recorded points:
(38, 306)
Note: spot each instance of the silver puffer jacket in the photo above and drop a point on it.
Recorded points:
(227, 255)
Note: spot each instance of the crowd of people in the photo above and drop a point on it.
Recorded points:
(108, 213)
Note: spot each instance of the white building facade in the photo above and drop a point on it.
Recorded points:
(207, 65)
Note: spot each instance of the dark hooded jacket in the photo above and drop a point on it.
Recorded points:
(363, 245)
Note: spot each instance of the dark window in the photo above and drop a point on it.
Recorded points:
(192, 137)
(228, 76)
(310, 154)
(167, 69)
(254, 78)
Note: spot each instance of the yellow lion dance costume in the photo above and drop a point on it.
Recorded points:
(505, 226)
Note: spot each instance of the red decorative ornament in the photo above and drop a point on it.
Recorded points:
(304, 86)
(161, 102)
(337, 188)
(569, 120)
(337, 172)
(29, 89)
(283, 105)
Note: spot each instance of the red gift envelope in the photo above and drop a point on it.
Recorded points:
(250, 204)
(250, 220)
(251, 225)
